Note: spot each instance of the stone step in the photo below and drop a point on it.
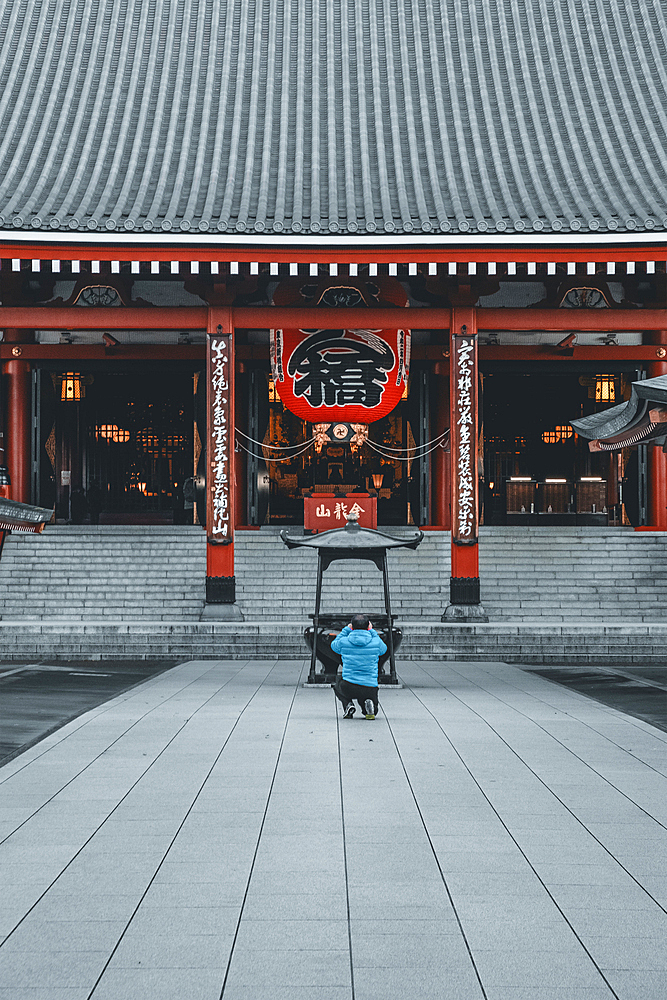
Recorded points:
(158, 572)
(515, 642)
(104, 572)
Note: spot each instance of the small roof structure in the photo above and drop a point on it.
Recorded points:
(642, 418)
(23, 517)
(351, 542)
(325, 118)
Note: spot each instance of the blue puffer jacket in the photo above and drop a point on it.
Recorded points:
(360, 649)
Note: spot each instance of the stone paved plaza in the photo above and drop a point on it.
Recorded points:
(220, 832)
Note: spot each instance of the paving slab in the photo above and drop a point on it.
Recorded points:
(220, 833)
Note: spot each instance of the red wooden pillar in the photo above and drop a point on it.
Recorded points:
(18, 387)
(220, 485)
(440, 422)
(464, 593)
(5, 480)
(657, 464)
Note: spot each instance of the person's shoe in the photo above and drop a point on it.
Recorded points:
(349, 711)
(370, 709)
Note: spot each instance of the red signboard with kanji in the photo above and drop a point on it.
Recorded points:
(355, 376)
(325, 511)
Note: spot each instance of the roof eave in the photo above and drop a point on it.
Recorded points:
(539, 247)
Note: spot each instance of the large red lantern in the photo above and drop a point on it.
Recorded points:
(355, 376)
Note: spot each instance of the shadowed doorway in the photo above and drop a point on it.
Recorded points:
(119, 445)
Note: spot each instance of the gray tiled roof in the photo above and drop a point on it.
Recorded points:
(333, 116)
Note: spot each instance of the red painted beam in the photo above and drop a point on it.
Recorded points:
(120, 318)
(488, 352)
(69, 353)
(196, 318)
(334, 250)
(266, 317)
(572, 319)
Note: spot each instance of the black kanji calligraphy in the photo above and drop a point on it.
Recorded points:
(332, 370)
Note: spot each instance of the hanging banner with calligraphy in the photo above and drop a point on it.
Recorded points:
(463, 438)
(220, 448)
(353, 376)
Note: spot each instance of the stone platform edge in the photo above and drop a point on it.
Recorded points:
(597, 643)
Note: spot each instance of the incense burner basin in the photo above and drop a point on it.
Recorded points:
(328, 628)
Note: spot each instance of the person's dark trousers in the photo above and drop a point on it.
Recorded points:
(347, 692)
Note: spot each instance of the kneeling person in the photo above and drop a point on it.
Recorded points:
(360, 647)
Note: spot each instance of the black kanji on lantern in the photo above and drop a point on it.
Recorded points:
(332, 370)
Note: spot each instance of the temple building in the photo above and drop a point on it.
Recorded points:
(264, 264)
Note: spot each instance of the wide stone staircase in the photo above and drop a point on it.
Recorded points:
(574, 574)
(554, 574)
(84, 573)
(275, 582)
(158, 573)
(553, 595)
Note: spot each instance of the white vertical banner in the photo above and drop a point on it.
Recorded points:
(463, 436)
(220, 448)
